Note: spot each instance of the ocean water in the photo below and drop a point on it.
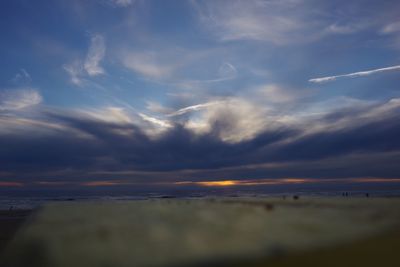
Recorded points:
(35, 199)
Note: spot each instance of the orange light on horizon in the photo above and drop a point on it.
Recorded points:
(286, 181)
(219, 183)
(213, 183)
(223, 183)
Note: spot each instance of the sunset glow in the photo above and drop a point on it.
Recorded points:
(287, 181)
(213, 183)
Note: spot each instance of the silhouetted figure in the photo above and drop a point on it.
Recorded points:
(269, 207)
(295, 197)
(367, 195)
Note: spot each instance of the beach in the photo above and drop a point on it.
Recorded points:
(240, 231)
(10, 222)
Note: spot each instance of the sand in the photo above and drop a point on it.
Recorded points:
(210, 232)
(10, 222)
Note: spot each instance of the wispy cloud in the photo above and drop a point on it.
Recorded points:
(155, 121)
(353, 75)
(273, 93)
(391, 28)
(75, 71)
(78, 68)
(122, 3)
(17, 99)
(178, 66)
(157, 107)
(192, 108)
(349, 28)
(244, 20)
(277, 22)
(22, 77)
(95, 55)
(284, 22)
(148, 64)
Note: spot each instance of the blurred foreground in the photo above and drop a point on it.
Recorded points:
(211, 232)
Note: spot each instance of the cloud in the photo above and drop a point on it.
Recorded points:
(289, 22)
(109, 114)
(178, 66)
(17, 99)
(227, 70)
(250, 20)
(157, 108)
(391, 28)
(167, 64)
(208, 112)
(95, 55)
(191, 108)
(75, 71)
(22, 77)
(232, 119)
(122, 3)
(276, 22)
(231, 147)
(156, 121)
(274, 93)
(78, 70)
(345, 28)
(353, 75)
(148, 64)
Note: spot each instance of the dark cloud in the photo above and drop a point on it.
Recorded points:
(377, 136)
(90, 148)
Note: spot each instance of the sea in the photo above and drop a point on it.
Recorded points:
(27, 200)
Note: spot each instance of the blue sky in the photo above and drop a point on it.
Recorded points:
(150, 91)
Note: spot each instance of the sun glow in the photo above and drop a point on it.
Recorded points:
(246, 182)
(286, 181)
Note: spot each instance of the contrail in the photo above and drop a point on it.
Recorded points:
(353, 75)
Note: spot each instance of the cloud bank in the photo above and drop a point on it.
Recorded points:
(68, 145)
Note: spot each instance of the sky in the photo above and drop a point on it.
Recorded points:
(203, 93)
